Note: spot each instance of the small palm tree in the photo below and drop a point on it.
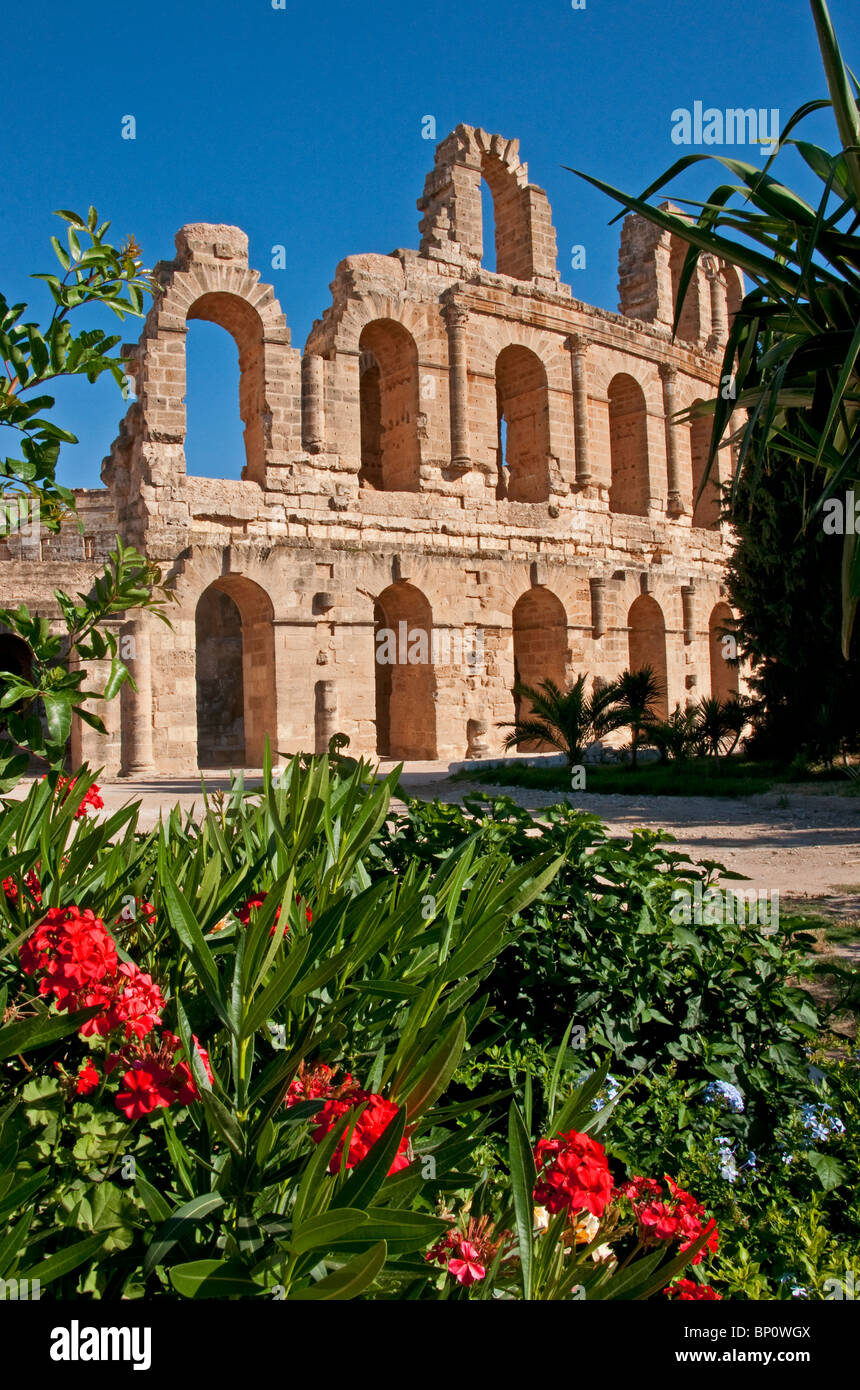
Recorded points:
(714, 729)
(565, 719)
(676, 736)
(636, 694)
(737, 714)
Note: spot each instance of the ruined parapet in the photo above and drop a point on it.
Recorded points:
(452, 224)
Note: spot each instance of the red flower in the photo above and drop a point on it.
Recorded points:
(687, 1290)
(73, 949)
(88, 1079)
(316, 1083)
(90, 799)
(31, 882)
(680, 1217)
(370, 1126)
(467, 1268)
(244, 912)
(467, 1253)
(156, 1078)
(572, 1173)
(130, 998)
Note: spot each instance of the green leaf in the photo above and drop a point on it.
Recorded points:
(349, 1281)
(523, 1180)
(38, 1032)
(181, 1222)
(213, 1279)
(325, 1230)
(56, 1266)
(829, 1171)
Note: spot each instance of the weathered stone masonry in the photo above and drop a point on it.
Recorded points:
(455, 449)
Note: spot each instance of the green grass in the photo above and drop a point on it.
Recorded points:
(735, 776)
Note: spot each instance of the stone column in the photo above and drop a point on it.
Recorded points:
(577, 345)
(325, 714)
(688, 603)
(313, 403)
(719, 306)
(669, 375)
(137, 749)
(598, 607)
(456, 319)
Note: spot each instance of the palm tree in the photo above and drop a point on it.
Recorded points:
(676, 736)
(737, 714)
(566, 719)
(792, 354)
(713, 728)
(636, 693)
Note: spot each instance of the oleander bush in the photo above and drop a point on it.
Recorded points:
(227, 1056)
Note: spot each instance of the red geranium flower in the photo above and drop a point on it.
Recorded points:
(687, 1290)
(676, 1216)
(87, 1080)
(572, 1173)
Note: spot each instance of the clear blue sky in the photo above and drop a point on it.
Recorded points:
(303, 126)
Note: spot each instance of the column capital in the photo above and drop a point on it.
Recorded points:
(668, 372)
(578, 344)
(455, 315)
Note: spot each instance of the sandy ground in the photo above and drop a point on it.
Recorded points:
(804, 844)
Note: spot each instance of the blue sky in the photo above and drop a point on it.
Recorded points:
(303, 126)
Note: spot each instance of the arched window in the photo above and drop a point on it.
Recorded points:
(722, 644)
(522, 409)
(488, 227)
(706, 509)
(389, 408)
(235, 671)
(690, 326)
(646, 639)
(404, 674)
(224, 389)
(628, 447)
(539, 625)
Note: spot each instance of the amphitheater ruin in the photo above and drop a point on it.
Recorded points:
(473, 461)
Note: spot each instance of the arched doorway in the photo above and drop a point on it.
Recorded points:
(235, 671)
(646, 644)
(404, 674)
(724, 678)
(628, 446)
(522, 410)
(389, 408)
(539, 625)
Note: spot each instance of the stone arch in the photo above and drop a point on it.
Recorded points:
(724, 677)
(404, 674)
(243, 323)
(539, 630)
(706, 508)
(646, 646)
(389, 407)
(451, 226)
(628, 446)
(235, 673)
(522, 411)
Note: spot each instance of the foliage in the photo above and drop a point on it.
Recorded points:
(784, 582)
(604, 949)
(40, 702)
(566, 719)
(279, 1124)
